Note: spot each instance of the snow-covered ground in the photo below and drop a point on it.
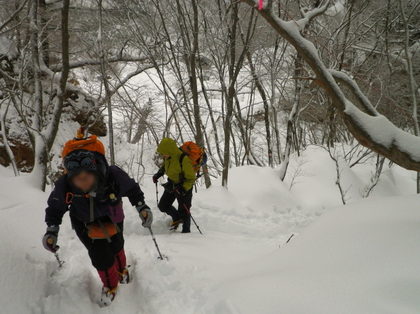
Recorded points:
(360, 258)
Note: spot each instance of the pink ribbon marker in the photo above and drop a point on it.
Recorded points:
(260, 6)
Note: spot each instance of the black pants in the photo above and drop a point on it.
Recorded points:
(165, 206)
(101, 252)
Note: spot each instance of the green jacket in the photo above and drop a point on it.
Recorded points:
(172, 167)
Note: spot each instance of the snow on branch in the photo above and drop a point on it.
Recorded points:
(310, 15)
(375, 132)
(383, 137)
(343, 78)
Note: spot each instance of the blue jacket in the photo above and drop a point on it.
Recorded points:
(79, 208)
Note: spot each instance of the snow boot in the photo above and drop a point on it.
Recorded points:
(110, 281)
(175, 224)
(107, 296)
(171, 211)
(186, 227)
(124, 276)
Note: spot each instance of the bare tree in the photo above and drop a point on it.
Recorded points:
(336, 158)
(374, 180)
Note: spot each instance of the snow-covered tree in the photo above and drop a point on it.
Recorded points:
(369, 127)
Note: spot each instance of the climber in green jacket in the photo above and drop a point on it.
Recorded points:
(181, 177)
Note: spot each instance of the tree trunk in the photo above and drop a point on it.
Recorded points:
(40, 170)
(44, 138)
(235, 64)
(107, 89)
(6, 142)
(413, 84)
(230, 95)
(291, 127)
(263, 95)
(194, 89)
(45, 44)
(38, 101)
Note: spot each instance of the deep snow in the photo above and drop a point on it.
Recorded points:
(360, 258)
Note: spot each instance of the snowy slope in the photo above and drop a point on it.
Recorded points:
(361, 258)
(232, 235)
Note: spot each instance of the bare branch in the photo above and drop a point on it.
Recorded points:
(125, 80)
(13, 15)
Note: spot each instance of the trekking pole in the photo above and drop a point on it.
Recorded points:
(154, 240)
(157, 194)
(192, 218)
(157, 246)
(59, 261)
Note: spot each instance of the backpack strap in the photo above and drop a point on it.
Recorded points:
(181, 159)
(91, 209)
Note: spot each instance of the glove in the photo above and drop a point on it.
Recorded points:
(49, 241)
(146, 215)
(156, 177)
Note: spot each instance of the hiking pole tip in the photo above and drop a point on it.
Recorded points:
(59, 261)
(160, 257)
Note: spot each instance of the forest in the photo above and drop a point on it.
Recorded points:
(215, 72)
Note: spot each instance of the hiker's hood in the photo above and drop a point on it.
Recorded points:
(168, 147)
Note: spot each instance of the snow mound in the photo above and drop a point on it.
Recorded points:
(259, 189)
